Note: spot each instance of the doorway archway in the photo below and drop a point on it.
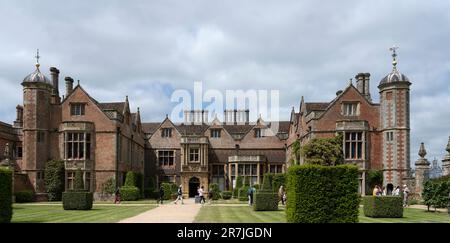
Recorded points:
(194, 183)
(389, 189)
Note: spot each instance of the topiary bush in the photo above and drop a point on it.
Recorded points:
(226, 195)
(130, 193)
(238, 185)
(170, 190)
(242, 195)
(109, 187)
(278, 180)
(383, 207)
(265, 201)
(54, 179)
(214, 187)
(322, 194)
(130, 179)
(267, 182)
(78, 198)
(5, 195)
(24, 196)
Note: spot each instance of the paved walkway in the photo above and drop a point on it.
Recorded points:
(424, 207)
(168, 213)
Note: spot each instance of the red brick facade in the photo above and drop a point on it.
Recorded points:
(106, 140)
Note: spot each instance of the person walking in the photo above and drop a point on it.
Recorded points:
(396, 192)
(161, 195)
(117, 196)
(405, 195)
(201, 195)
(384, 192)
(281, 194)
(179, 195)
(250, 196)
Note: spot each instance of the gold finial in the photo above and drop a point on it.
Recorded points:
(37, 59)
(394, 55)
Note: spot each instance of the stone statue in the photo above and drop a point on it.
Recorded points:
(6, 154)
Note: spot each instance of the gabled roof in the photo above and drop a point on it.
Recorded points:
(150, 127)
(118, 106)
(316, 106)
(191, 129)
(238, 129)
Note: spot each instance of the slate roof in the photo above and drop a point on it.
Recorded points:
(118, 106)
(316, 106)
(150, 127)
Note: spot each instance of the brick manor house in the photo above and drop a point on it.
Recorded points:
(108, 139)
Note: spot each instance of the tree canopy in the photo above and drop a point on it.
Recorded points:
(324, 151)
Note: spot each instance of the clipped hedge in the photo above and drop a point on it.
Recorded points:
(383, 207)
(226, 195)
(5, 195)
(77, 200)
(130, 193)
(322, 194)
(265, 201)
(24, 196)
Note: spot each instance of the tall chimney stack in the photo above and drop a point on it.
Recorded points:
(54, 72)
(362, 84)
(69, 85)
(19, 116)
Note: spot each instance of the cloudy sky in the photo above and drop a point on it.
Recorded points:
(148, 49)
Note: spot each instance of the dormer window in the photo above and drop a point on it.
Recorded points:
(215, 133)
(77, 109)
(166, 132)
(258, 133)
(350, 109)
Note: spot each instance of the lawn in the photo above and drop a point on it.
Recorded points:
(245, 214)
(34, 213)
(410, 215)
(238, 214)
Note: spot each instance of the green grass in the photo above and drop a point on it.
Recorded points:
(245, 214)
(29, 213)
(230, 201)
(238, 214)
(142, 201)
(410, 215)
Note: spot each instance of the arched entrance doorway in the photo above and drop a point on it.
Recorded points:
(389, 189)
(194, 183)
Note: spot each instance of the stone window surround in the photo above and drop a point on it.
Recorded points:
(170, 165)
(350, 108)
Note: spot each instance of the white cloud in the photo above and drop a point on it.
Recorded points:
(146, 49)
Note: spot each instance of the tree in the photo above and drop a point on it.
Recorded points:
(436, 193)
(324, 151)
(54, 179)
(374, 177)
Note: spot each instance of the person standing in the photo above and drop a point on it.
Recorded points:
(161, 194)
(179, 195)
(405, 195)
(281, 194)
